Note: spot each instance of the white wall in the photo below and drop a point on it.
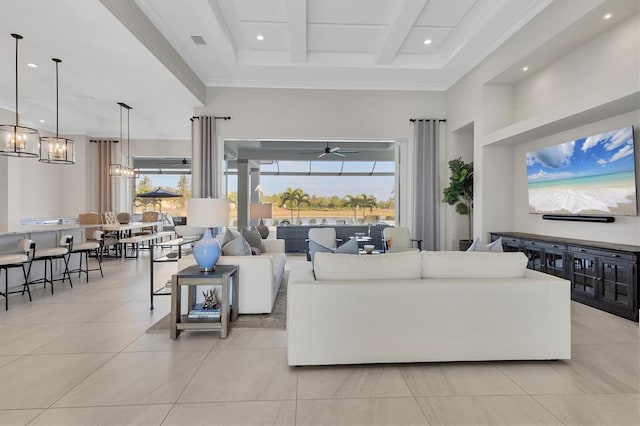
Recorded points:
(160, 148)
(330, 114)
(607, 64)
(30, 189)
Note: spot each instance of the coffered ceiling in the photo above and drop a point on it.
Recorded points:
(368, 44)
(159, 56)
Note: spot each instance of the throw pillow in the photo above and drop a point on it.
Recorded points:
(253, 237)
(495, 246)
(350, 247)
(316, 248)
(237, 247)
(255, 251)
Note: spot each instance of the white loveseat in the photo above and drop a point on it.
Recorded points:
(425, 306)
(260, 276)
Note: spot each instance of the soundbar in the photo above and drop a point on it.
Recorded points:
(578, 218)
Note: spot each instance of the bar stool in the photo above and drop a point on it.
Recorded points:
(17, 260)
(95, 246)
(50, 254)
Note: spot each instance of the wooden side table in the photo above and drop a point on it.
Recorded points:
(223, 277)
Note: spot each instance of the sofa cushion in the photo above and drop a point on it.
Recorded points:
(253, 237)
(237, 247)
(460, 264)
(330, 267)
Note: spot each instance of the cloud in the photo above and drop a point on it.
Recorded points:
(624, 152)
(611, 140)
(554, 156)
(542, 175)
(602, 162)
(620, 137)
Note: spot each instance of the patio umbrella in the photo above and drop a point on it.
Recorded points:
(158, 193)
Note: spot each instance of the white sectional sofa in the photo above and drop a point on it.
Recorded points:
(425, 306)
(260, 276)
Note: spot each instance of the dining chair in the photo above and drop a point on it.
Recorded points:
(399, 239)
(22, 257)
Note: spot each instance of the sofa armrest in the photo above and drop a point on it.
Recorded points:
(273, 246)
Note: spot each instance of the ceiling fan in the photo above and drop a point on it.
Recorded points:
(336, 150)
(185, 162)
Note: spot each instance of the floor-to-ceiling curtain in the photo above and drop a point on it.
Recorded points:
(105, 189)
(426, 197)
(204, 165)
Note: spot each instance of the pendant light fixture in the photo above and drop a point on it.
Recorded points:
(57, 150)
(127, 169)
(115, 169)
(16, 140)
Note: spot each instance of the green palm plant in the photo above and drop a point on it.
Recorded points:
(353, 202)
(301, 198)
(367, 202)
(460, 189)
(287, 199)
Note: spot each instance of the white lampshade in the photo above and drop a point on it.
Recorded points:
(260, 211)
(208, 212)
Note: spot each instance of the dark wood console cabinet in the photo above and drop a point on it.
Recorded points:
(602, 275)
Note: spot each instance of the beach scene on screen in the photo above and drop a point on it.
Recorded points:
(594, 175)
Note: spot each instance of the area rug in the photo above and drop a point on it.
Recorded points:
(276, 319)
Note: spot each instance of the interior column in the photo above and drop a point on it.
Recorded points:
(243, 193)
(254, 174)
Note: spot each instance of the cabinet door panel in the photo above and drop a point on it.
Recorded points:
(585, 275)
(617, 280)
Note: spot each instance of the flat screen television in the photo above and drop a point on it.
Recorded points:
(589, 176)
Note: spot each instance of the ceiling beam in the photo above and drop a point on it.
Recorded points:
(406, 17)
(130, 15)
(297, 26)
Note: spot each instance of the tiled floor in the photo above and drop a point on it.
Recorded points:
(82, 357)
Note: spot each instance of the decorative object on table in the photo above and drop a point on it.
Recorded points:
(207, 213)
(368, 248)
(57, 150)
(18, 141)
(200, 312)
(460, 193)
(261, 211)
(210, 300)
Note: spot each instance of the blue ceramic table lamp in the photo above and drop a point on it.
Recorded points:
(207, 213)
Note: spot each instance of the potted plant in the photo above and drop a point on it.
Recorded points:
(460, 193)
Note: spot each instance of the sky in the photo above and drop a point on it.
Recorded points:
(380, 187)
(606, 153)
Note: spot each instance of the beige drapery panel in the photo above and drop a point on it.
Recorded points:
(105, 189)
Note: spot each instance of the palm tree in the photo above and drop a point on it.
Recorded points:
(367, 202)
(288, 197)
(352, 202)
(300, 198)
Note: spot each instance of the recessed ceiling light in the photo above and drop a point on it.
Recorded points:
(525, 68)
(427, 41)
(42, 121)
(32, 65)
(607, 16)
(259, 37)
